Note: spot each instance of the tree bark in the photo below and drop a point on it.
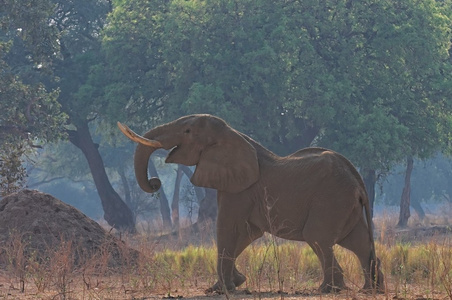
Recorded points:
(405, 198)
(176, 197)
(207, 200)
(198, 190)
(370, 179)
(164, 206)
(126, 187)
(416, 205)
(116, 212)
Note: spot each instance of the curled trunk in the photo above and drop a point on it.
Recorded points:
(146, 146)
(141, 161)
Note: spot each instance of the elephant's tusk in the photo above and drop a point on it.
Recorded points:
(138, 138)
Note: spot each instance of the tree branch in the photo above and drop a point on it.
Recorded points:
(28, 115)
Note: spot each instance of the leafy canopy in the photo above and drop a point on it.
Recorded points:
(30, 114)
(370, 79)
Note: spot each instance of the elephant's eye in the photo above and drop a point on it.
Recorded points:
(187, 130)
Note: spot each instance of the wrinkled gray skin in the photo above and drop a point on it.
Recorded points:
(314, 195)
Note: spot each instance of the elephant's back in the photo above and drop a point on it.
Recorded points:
(309, 151)
(325, 161)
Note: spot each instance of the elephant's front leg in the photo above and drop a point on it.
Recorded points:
(225, 271)
(231, 242)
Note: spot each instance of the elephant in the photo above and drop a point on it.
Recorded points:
(314, 195)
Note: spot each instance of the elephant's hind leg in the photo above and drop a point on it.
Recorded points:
(358, 242)
(333, 278)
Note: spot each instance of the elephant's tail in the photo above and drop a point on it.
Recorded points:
(364, 199)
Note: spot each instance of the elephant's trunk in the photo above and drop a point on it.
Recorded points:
(146, 146)
(141, 161)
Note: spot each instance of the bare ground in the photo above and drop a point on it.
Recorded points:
(9, 291)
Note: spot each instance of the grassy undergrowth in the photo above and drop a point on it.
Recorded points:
(270, 265)
(424, 268)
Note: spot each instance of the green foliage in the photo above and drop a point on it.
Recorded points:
(375, 140)
(54, 44)
(370, 79)
(30, 116)
(132, 48)
(197, 57)
(389, 64)
(12, 173)
(28, 21)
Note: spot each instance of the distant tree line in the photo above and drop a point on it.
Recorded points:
(370, 79)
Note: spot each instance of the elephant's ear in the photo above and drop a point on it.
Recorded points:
(230, 165)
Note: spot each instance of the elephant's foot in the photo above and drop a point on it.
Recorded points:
(238, 278)
(326, 288)
(221, 288)
(371, 291)
(377, 287)
(334, 285)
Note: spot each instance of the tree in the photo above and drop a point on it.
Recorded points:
(429, 183)
(30, 114)
(427, 117)
(80, 25)
(406, 195)
(397, 81)
(69, 58)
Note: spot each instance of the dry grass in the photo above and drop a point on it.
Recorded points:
(168, 268)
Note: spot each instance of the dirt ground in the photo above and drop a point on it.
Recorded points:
(7, 291)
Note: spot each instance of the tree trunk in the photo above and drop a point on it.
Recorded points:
(199, 191)
(176, 197)
(164, 206)
(116, 212)
(126, 187)
(405, 199)
(416, 205)
(370, 179)
(207, 200)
